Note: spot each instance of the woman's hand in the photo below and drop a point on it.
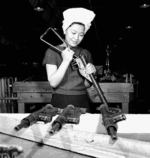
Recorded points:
(90, 69)
(67, 55)
(87, 70)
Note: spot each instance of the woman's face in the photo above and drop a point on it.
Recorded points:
(74, 34)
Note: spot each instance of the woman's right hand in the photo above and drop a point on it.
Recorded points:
(67, 54)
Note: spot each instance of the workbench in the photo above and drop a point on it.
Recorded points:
(87, 139)
(41, 92)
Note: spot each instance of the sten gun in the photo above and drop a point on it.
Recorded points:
(110, 116)
(45, 115)
(70, 114)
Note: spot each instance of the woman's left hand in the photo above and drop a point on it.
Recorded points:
(86, 71)
(90, 68)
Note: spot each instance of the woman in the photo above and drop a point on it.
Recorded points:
(70, 83)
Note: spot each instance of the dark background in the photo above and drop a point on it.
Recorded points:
(123, 25)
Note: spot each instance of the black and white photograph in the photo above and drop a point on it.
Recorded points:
(74, 79)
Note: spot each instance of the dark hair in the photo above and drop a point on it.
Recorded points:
(77, 23)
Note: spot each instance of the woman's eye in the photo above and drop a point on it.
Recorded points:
(81, 35)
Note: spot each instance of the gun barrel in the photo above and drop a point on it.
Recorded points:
(56, 127)
(112, 132)
(24, 123)
(18, 127)
(61, 119)
(57, 124)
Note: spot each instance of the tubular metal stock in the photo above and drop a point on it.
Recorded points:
(54, 47)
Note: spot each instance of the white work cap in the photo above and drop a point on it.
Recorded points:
(81, 15)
